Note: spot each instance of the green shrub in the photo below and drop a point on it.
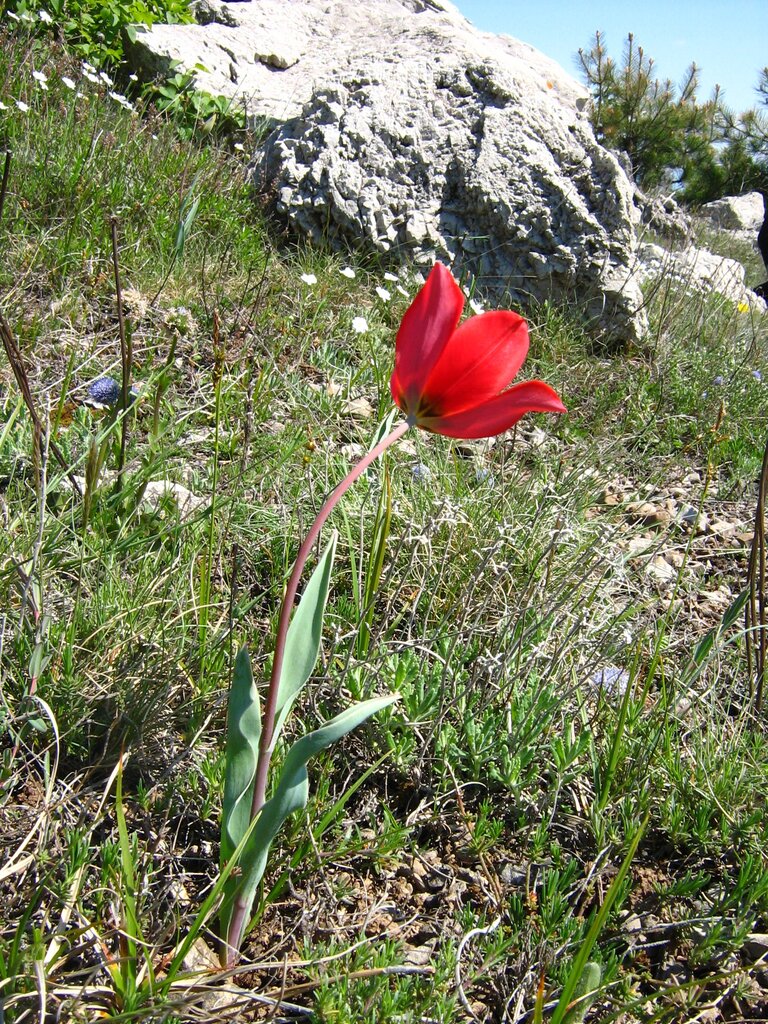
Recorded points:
(94, 29)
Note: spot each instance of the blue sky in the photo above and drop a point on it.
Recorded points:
(730, 48)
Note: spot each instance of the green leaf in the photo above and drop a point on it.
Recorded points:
(598, 919)
(302, 644)
(291, 793)
(242, 752)
(731, 615)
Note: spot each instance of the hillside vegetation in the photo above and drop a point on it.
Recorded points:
(564, 814)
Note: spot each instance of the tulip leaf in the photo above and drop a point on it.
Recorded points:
(302, 644)
(242, 752)
(291, 794)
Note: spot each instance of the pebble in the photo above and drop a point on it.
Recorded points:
(659, 569)
(360, 408)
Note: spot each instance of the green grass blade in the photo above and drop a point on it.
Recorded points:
(565, 1002)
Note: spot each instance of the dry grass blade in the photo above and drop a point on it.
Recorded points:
(755, 614)
(4, 184)
(20, 373)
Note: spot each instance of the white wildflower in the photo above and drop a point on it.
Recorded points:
(360, 325)
(239, 147)
(12, 16)
(402, 290)
(119, 98)
(105, 78)
(383, 294)
(309, 279)
(41, 79)
(476, 307)
(45, 17)
(2, 106)
(390, 277)
(347, 272)
(23, 107)
(68, 82)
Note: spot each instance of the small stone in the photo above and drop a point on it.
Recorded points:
(675, 557)
(187, 502)
(721, 528)
(639, 545)
(610, 497)
(513, 874)
(359, 408)
(661, 571)
(632, 924)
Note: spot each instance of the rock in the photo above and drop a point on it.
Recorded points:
(756, 945)
(648, 513)
(660, 570)
(663, 216)
(359, 408)
(735, 213)
(400, 127)
(697, 271)
(692, 519)
(157, 490)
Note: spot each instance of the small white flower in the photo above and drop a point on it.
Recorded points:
(2, 106)
(68, 82)
(360, 325)
(402, 290)
(23, 107)
(90, 75)
(309, 279)
(475, 306)
(41, 79)
(12, 16)
(133, 78)
(88, 67)
(239, 147)
(119, 98)
(105, 78)
(383, 294)
(390, 277)
(347, 272)
(45, 17)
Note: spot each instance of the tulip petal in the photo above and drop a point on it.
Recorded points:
(427, 326)
(479, 360)
(498, 414)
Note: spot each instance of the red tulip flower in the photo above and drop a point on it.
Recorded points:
(454, 380)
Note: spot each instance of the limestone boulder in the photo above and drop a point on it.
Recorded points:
(397, 126)
(735, 213)
(697, 271)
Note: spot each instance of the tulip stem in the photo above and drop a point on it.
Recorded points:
(237, 922)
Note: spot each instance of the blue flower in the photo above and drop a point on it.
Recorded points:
(421, 472)
(610, 679)
(757, 375)
(483, 475)
(105, 393)
(718, 381)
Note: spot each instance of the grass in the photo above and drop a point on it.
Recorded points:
(455, 851)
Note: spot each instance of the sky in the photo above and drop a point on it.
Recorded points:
(729, 48)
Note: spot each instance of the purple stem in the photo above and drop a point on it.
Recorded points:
(239, 910)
